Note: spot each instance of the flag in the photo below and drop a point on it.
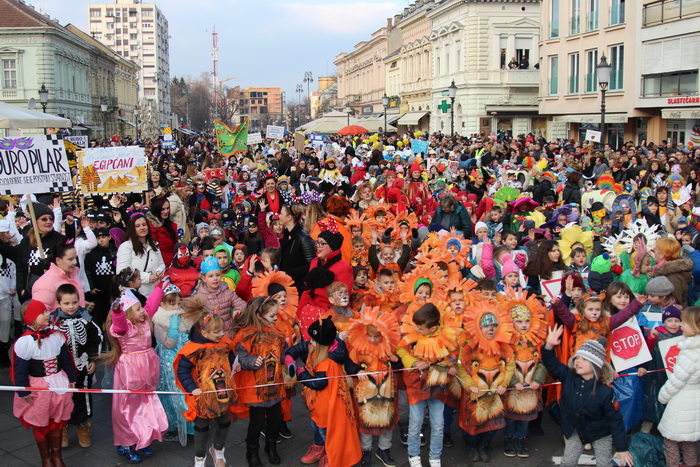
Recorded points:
(231, 141)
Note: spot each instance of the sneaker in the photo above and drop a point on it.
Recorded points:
(435, 463)
(64, 440)
(520, 448)
(587, 447)
(414, 461)
(285, 432)
(384, 455)
(314, 454)
(84, 435)
(171, 436)
(146, 452)
(509, 446)
(129, 454)
(366, 458)
(217, 456)
(324, 461)
(403, 434)
(447, 441)
(200, 461)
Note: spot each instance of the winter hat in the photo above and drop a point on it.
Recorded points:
(202, 225)
(481, 225)
(578, 281)
(127, 300)
(359, 268)
(274, 288)
(593, 351)
(601, 264)
(323, 331)
(34, 309)
(209, 264)
(455, 243)
(508, 267)
(670, 312)
(422, 281)
(659, 287)
(334, 240)
(40, 209)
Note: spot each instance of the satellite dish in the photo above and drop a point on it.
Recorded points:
(31, 104)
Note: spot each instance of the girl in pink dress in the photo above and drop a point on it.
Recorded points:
(137, 419)
(41, 359)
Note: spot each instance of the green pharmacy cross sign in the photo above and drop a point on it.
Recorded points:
(444, 106)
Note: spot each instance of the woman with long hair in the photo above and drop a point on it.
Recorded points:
(546, 263)
(297, 248)
(163, 230)
(140, 251)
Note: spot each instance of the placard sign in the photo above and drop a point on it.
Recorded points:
(627, 346)
(119, 169)
(669, 352)
(254, 138)
(418, 146)
(274, 132)
(593, 136)
(551, 288)
(33, 164)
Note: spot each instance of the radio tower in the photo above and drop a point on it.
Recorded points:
(215, 61)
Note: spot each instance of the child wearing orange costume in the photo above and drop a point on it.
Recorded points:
(382, 292)
(209, 394)
(372, 340)
(340, 313)
(260, 348)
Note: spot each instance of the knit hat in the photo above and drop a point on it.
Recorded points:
(488, 319)
(127, 300)
(422, 281)
(508, 267)
(601, 264)
(659, 287)
(578, 281)
(323, 331)
(334, 240)
(593, 351)
(359, 268)
(455, 243)
(202, 225)
(670, 312)
(34, 309)
(40, 209)
(481, 225)
(520, 311)
(209, 264)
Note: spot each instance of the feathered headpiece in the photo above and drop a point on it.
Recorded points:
(373, 211)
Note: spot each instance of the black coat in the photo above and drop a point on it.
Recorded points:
(571, 194)
(542, 190)
(297, 250)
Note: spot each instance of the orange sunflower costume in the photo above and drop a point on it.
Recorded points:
(376, 399)
(486, 364)
(428, 275)
(379, 216)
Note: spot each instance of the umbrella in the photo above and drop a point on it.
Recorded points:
(16, 117)
(352, 130)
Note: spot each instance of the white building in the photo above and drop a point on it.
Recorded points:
(473, 42)
(138, 32)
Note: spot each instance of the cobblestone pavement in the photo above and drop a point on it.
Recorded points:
(17, 447)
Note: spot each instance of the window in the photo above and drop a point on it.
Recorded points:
(147, 13)
(592, 17)
(554, 20)
(458, 55)
(95, 12)
(522, 52)
(617, 60)
(110, 12)
(591, 73)
(574, 63)
(617, 12)
(9, 74)
(575, 22)
(553, 75)
(437, 62)
(133, 36)
(683, 83)
(447, 58)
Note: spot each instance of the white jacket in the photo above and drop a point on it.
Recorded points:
(126, 257)
(681, 420)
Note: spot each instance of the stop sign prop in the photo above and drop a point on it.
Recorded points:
(669, 352)
(627, 346)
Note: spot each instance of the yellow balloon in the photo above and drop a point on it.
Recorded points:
(399, 144)
(417, 134)
(376, 145)
(374, 137)
(405, 141)
(366, 141)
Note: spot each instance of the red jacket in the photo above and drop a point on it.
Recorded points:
(185, 278)
(343, 273)
(166, 243)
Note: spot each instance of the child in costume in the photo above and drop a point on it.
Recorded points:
(588, 411)
(430, 346)
(360, 286)
(229, 274)
(183, 273)
(204, 367)
(329, 401)
(260, 348)
(340, 312)
(385, 256)
(84, 338)
(524, 400)
(680, 423)
(137, 419)
(171, 334)
(40, 358)
(382, 292)
(219, 297)
(487, 368)
(372, 340)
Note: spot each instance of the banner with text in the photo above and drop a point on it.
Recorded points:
(254, 138)
(119, 169)
(274, 132)
(73, 145)
(33, 164)
(418, 146)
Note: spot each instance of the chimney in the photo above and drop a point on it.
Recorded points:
(388, 23)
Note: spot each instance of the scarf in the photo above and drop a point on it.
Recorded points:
(320, 276)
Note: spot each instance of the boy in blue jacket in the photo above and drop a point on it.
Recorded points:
(588, 412)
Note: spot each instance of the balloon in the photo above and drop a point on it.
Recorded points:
(399, 143)
(374, 137)
(417, 134)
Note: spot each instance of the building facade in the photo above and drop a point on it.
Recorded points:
(473, 44)
(138, 32)
(261, 106)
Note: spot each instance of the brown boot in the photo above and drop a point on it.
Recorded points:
(55, 441)
(64, 438)
(44, 451)
(84, 435)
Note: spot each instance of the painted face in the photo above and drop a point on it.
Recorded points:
(361, 278)
(593, 311)
(270, 318)
(213, 335)
(281, 298)
(340, 298)
(457, 302)
(453, 250)
(387, 255)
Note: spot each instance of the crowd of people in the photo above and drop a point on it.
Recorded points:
(482, 281)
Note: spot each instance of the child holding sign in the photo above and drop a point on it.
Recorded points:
(680, 424)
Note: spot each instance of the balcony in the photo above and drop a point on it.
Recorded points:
(529, 77)
(664, 11)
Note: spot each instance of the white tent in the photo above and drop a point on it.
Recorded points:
(13, 117)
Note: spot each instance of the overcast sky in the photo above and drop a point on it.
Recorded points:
(262, 42)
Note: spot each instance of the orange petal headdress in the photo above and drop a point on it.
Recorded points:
(262, 283)
(355, 219)
(435, 348)
(432, 274)
(519, 304)
(371, 213)
(386, 325)
(472, 326)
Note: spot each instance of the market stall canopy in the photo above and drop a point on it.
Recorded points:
(373, 124)
(13, 117)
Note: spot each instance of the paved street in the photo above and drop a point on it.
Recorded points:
(17, 447)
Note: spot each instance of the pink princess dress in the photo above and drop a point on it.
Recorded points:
(137, 419)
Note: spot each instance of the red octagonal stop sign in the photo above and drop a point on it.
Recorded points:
(671, 356)
(626, 342)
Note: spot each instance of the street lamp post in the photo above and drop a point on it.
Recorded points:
(348, 110)
(186, 92)
(603, 70)
(452, 93)
(136, 117)
(308, 79)
(300, 90)
(104, 108)
(385, 103)
(43, 97)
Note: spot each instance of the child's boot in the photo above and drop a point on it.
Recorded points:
(520, 448)
(64, 437)
(509, 446)
(483, 448)
(414, 461)
(271, 451)
(55, 441)
(84, 435)
(385, 456)
(252, 455)
(472, 451)
(366, 458)
(217, 456)
(314, 454)
(44, 451)
(435, 463)
(129, 453)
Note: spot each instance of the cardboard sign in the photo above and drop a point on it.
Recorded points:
(167, 134)
(254, 138)
(655, 319)
(593, 136)
(33, 164)
(627, 346)
(316, 140)
(551, 288)
(669, 352)
(418, 146)
(119, 169)
(274, 132)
